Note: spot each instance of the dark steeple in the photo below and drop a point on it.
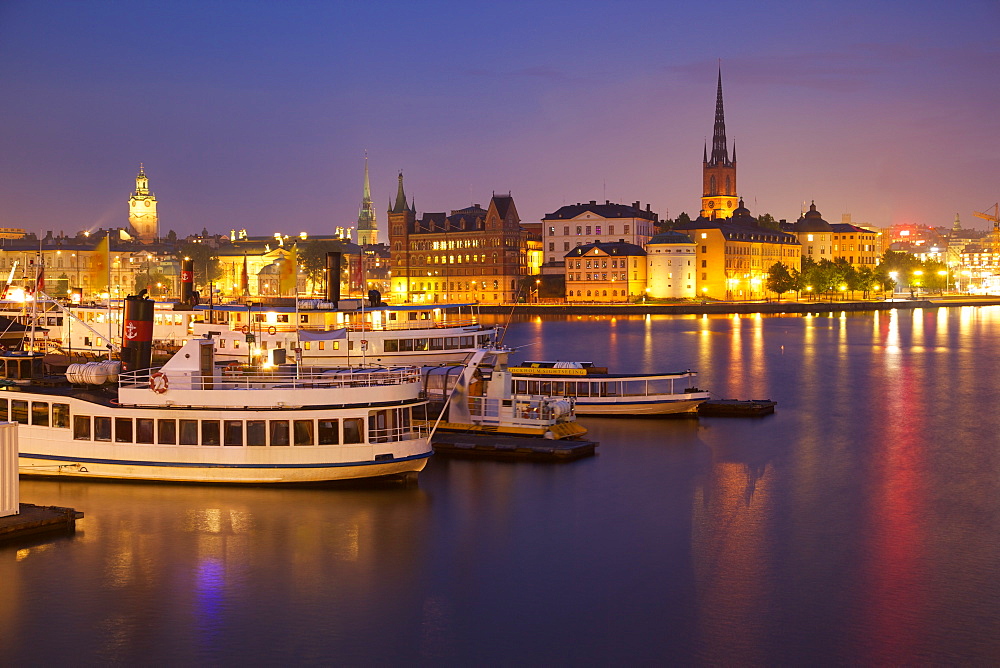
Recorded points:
(720, 152)
(400, 205)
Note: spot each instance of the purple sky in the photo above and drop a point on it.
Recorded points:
(257, 115)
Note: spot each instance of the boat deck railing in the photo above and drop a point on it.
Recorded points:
(522, 410)
(232, 378)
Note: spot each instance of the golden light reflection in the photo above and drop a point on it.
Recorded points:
(730, 559)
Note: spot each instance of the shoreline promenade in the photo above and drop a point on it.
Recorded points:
(715, 307)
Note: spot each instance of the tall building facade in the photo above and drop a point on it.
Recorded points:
(718, 199)
(142, 214)
(367, 225)
(470, 255)
(576, 225)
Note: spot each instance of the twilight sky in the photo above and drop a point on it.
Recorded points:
(257, 115)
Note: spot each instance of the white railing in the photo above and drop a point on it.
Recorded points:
(237, 378)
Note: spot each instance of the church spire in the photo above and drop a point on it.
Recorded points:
(367, 225)
(400, 206)
(367, 195)
(720, 152)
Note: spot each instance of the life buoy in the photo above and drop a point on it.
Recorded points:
(158, 382)
(272, 330)
(245, 329)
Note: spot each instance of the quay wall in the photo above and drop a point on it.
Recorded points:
(790, 307)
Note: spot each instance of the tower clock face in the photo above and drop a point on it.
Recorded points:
(730, 204)
(148, 202)
(711, 204)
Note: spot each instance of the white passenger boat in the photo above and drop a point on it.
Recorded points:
(198, 420)
(318, 334)
(599, 393)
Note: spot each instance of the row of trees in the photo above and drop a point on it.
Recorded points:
(840, 276)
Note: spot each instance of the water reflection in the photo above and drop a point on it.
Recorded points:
(855, 526)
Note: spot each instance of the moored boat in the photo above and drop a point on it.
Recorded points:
(196, 419)
(599, 393)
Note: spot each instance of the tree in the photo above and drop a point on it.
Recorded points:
(767, 221)
(682, 219)
(312, 257)
(779, 279)
(206, 263)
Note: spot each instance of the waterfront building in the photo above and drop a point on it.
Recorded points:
(821, 240)
(718, 199)
(734, 256)
(142, 215)
(468, 255)
(89, 265)
(578, 224)
(670, 260)
(606, 272)
(367, 225)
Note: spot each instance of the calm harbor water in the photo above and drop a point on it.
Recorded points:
(857, 525)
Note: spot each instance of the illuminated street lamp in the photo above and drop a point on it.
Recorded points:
(947, 278)
(894, 275)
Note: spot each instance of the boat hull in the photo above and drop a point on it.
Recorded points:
(60, 466)
(624, 407)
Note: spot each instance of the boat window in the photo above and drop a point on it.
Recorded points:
(304, 432)
(279, 432)
(256, 432)
(19, 412)
(3, 410)
(189, 432)
(451, 343)
(328, 432)
(467, 341)
(421, 344)
(39, 413)
(307, 345)
(102, 428)
(391, 345)
(406, 344)
(322, 345)
(210, 432)
(353, 430)
(81, 427)
(60, 415)
(233, 432)
(123, 430)
(144, 430)
(437, 344)
(412, 315)
(168, 432)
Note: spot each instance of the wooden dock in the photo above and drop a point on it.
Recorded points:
(32, 519)
(497, 446)
(736, 407)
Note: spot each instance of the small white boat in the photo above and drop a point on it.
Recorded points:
(479, 398)
(599, 393)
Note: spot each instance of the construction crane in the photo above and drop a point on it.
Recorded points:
(995, 219)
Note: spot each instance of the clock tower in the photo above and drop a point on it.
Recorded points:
(142, 210)
(719, 199)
